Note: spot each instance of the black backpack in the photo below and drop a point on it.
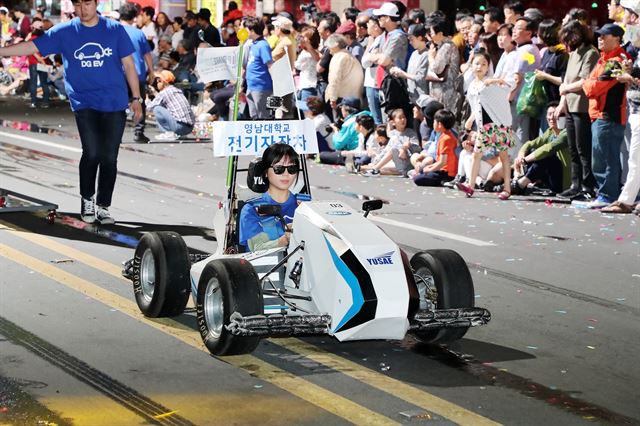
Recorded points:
(393, 93)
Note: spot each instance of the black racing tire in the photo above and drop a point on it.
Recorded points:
(161, 282)
(227, 286)
(453, 284)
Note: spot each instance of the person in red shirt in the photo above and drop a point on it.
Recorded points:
(445, 167)
(608, 113)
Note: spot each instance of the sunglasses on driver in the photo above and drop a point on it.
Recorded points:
(292, 169)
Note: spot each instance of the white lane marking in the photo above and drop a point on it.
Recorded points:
(432, 231)
(41, 142)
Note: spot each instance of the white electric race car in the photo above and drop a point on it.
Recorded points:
(341, 275)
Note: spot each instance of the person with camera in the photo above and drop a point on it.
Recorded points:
(171, 108)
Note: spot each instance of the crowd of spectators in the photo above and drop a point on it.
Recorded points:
(505, 100)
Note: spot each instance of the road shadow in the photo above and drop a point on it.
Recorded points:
(122, 234)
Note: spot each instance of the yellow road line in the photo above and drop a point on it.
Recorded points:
(384, 383)
(363, 374)
(294, 385)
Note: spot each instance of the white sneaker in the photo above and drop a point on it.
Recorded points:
(166, 136)
(87, 210)
(103, 216)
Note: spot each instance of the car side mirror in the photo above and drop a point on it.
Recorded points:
(270, 210)
(371, 205)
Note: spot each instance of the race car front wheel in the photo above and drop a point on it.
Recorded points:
(161, 274)
(442, 278)
(227, 286)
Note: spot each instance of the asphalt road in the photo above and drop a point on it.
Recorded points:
(563, 286)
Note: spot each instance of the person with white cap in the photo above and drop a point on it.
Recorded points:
(283, 27)
(394, 48)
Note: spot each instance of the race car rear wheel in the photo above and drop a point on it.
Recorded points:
(227, 286)
(443, 278)
(161, 274)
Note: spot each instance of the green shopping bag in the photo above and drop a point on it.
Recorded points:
(533, 96)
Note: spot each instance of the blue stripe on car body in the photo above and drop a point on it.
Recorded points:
(354, 285)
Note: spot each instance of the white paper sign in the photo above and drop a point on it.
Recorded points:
(253, 137)
(282, 77)
(217, 63)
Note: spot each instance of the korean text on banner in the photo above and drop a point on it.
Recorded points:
(282, 77)
(217, 63)
(253, 137)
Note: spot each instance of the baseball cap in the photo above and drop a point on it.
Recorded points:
(387, 9)
(166, 76)
(346, 28)
(114, 14)
(4, 10)
(350, 101)
(204, 14)
(283, 23)
(632, 5)
(610, 29)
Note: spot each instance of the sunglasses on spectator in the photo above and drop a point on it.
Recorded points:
(292, 169)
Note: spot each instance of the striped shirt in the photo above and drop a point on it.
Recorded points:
(176, 103)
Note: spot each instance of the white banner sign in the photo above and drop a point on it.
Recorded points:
(253, 137)
(217, 63)
(282, 77)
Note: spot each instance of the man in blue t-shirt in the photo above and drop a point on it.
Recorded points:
(143, 60)
(259, 84)
(98, 65)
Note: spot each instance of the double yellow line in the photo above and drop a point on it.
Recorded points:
(310, 392)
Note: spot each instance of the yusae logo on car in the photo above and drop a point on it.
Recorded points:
(383, 259)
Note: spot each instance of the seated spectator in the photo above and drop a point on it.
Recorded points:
(9, 81)
(364, 127)
(367, 144)
(171, 108)
(403, 141)
(324, 131)
(490, 171)
(56, 76)
(375, 150)
(445, 167)
(345, 136)
(187, 61)
(544, 160)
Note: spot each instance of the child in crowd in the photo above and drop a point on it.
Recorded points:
(491, 113)
(446, 162)
(490, 172)
(365, 126)
(403, 141)
(377, 150)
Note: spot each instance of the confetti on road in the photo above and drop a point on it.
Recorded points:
(561, 312)
(532, 347)
(591, 347)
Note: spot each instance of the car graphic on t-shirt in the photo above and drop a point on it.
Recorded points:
(92, 51)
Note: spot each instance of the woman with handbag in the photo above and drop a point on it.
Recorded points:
(444, 66)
